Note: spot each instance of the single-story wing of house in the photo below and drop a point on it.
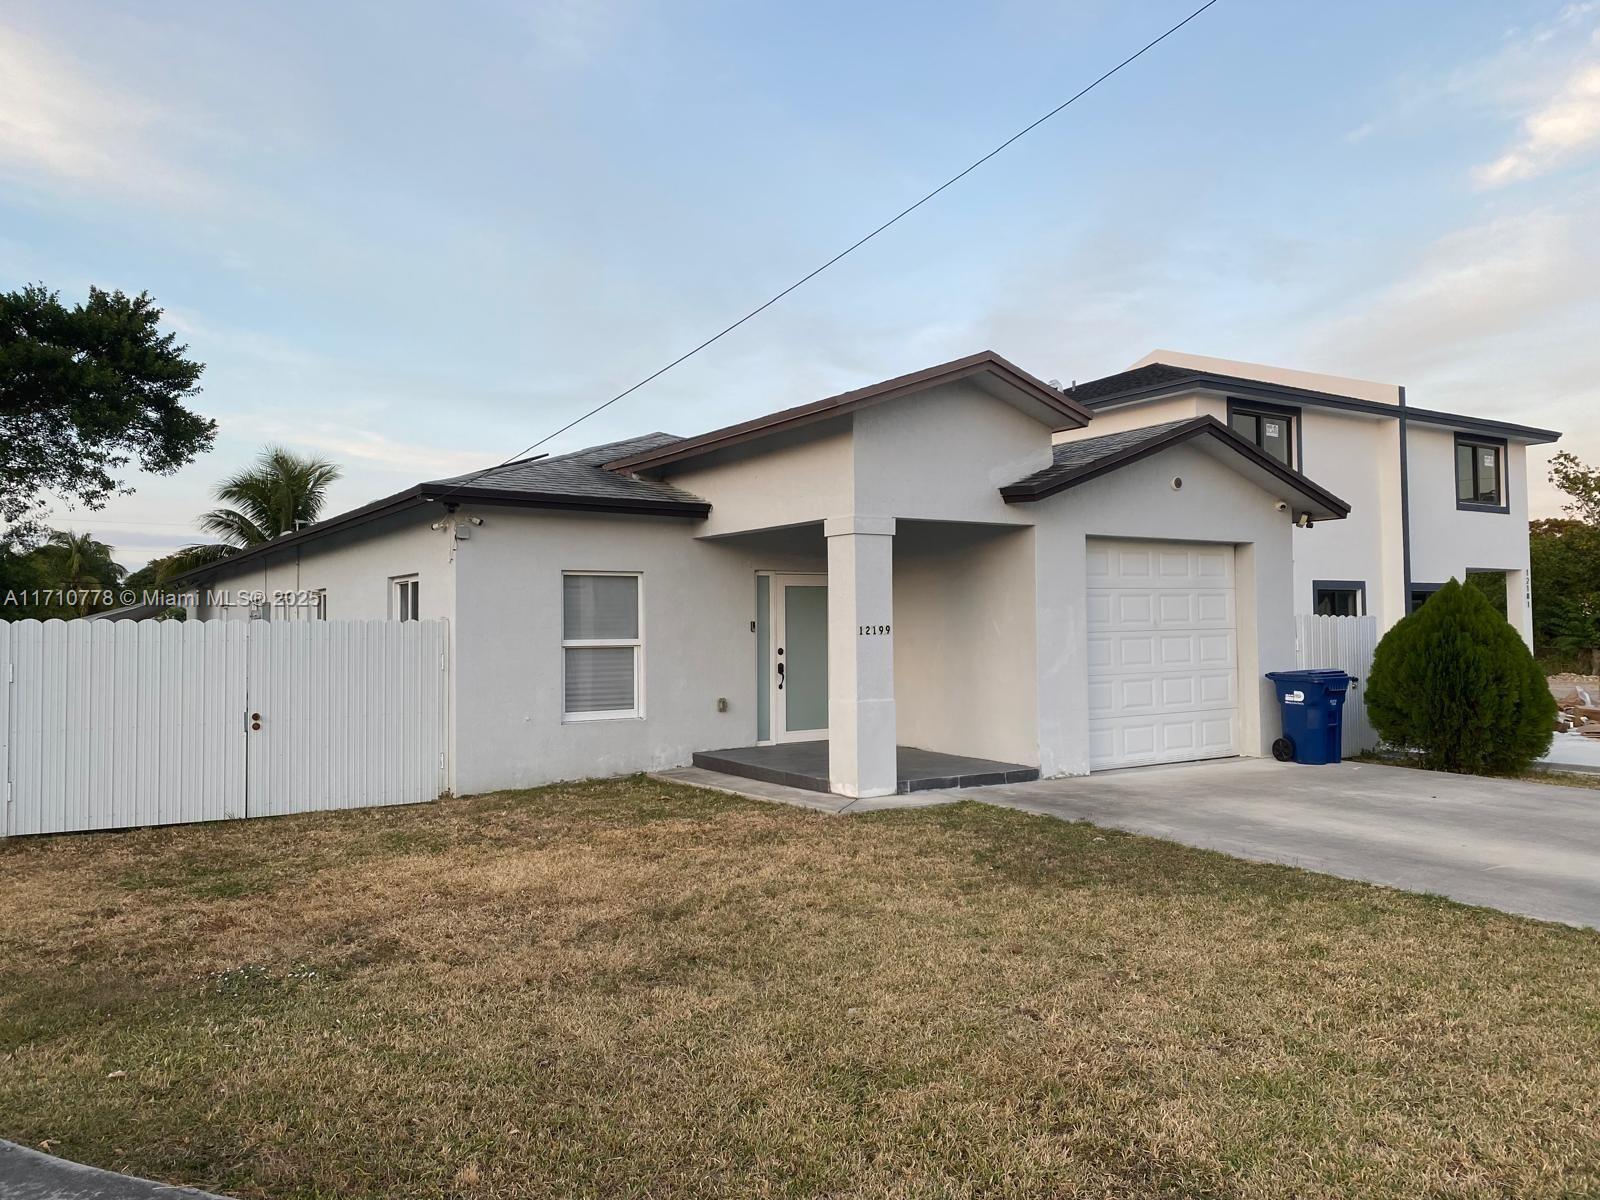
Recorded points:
(907, 584)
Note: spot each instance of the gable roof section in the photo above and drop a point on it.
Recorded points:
(1164, 379)
(1078, 462)
(993, 373)
(574, 482)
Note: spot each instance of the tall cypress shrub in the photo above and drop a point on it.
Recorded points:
(1456, 683)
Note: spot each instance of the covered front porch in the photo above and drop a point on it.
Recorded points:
(891, 656)
(805, 765)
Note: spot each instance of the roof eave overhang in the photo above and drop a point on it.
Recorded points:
(1251, 389)
(998, 377)
(1315, 501)
(443, 492)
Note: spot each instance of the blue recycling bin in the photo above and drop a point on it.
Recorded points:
(1312, 704)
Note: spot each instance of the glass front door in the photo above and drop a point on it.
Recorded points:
(798, 675)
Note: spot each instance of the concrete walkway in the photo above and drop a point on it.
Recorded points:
(29, 1175)
(1526, 848)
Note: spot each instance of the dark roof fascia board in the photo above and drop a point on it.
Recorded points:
(1254, 389)
(1207, 425)
(986, 362)
(452, 494)
(444, 492)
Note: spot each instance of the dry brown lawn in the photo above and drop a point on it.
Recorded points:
(634, 989)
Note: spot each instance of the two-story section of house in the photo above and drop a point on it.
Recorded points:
(1433, 495)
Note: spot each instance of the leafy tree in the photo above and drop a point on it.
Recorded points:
(1575, 628)
(1455, 682)
(66, 562)
(76, 562)
(84, 391)
(1581, 483)
(278, 495)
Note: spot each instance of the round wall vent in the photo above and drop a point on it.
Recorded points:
(1177, 483)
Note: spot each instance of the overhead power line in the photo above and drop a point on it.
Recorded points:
(850, 249)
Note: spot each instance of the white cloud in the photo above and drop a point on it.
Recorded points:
(1564, 126)
(59, 128)
(365, 446)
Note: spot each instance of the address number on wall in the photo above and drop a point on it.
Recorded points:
(872, 630)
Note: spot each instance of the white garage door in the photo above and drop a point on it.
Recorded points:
(1163, 653)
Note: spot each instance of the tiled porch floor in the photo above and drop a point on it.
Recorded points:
(805, 765)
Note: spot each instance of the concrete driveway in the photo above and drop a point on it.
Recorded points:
(1527, 848)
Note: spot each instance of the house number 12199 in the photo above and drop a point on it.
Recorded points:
(870, 630)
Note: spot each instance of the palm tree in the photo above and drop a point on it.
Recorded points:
(281, 493)
(76, 562)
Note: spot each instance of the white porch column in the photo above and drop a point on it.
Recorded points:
(861, 745)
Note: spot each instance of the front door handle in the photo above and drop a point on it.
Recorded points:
(780, 677)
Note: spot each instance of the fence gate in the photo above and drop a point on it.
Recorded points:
(110, 724)
(1345, 644)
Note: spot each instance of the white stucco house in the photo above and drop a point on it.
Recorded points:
(1433, 495)
(959, 575)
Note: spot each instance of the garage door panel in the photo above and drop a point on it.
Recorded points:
(1163, 653)
(1170, 608)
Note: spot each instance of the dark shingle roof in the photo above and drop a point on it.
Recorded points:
(579, 476)
(1078, 462)
(1073, 457)
(1151, 375)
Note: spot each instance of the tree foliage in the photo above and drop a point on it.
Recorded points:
(1581, 483)
(84, 391)
(1456, 683)
(281, 493)
(63, 577)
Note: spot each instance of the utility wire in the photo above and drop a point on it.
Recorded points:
(850, 249)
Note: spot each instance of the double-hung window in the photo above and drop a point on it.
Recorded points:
(403, 597)
(1480, 474)
(602, 647)
(1272, 431)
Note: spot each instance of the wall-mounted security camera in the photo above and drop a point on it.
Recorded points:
(1281, 506)
(1304, 521)
(476, 520)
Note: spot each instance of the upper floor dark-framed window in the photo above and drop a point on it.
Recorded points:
(1339, 597)
(1421, 593)
(1481, 473)
(1275, 429)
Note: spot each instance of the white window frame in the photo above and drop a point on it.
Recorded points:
(636, 713)
(396, 582)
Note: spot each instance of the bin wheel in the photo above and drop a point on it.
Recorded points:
(1283, 750)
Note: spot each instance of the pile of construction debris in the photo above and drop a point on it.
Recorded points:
(1578, 698)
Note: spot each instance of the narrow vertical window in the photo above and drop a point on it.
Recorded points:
(404, 598)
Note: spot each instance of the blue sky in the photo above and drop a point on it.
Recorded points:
(415, 238)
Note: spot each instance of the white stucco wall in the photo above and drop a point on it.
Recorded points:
(944, 455)
(1357, 458)
(1215, 505)
(804, 477)
(964, 641)
(698, 602)
(1137, 416)
(1446, 542)
(354, 566)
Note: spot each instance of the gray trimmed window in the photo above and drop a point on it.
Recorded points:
(602, 645)
(1339, 597)
(1480, 474)
(1272, 429)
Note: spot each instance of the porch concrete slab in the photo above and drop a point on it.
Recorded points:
(805, 765)
(29, 1175)
(778, 793)
(1532, 849)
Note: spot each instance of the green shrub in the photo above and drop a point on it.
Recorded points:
(1456, 683)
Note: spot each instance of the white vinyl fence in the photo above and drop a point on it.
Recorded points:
(1345, 644)
(110, 724)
